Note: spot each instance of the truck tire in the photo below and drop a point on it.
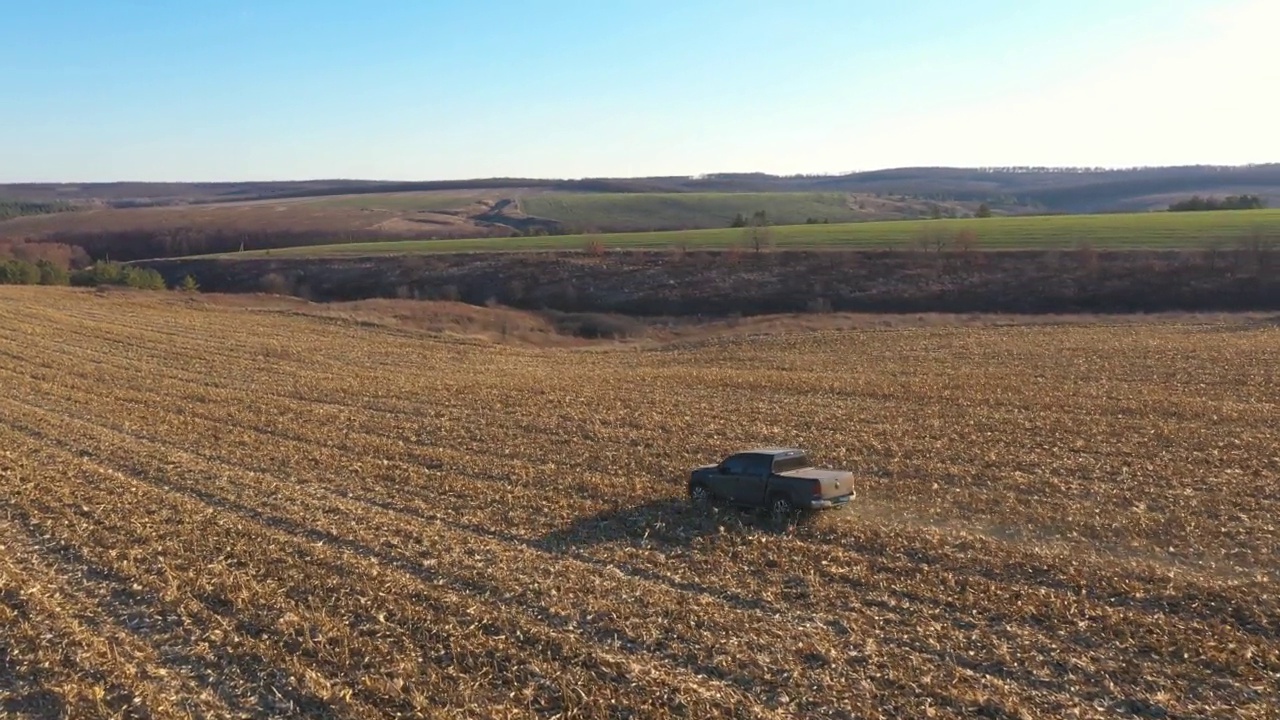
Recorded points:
(699, 495)
(781, 507)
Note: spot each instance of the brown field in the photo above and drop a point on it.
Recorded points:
(438, 214)
(390, 215)
(225, 510)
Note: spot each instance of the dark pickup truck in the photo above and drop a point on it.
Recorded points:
(780, 479)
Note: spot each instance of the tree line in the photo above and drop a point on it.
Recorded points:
(1231, 202)
(46, 272)
(10, 209)
(39, 263)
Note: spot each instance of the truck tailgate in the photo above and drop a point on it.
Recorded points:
(835, 483)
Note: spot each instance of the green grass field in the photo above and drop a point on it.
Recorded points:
(1119, 231)
(657, 211)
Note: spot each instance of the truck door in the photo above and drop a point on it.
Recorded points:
(754, 481)
(728, 475)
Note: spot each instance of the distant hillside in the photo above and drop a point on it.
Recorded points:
(149, 220)
(1048, 189)
(1043, 189)
(630, 212)
(132, 194)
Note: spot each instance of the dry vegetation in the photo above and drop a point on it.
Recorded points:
(415, 214)
(212, 511)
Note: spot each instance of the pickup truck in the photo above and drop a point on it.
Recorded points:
(780, 479)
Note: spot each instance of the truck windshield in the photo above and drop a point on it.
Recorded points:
(787, 464)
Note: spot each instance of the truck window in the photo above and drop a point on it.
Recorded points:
(737, 465)
(793, 462)
(758, 464)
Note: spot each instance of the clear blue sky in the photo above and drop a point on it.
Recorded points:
(429, 89)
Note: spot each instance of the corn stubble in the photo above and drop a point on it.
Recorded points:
(221, 512)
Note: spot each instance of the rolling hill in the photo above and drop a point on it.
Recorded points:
(1115, 231)
(1051, 189)
(141, 220)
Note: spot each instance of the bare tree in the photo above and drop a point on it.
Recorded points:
(759, 234)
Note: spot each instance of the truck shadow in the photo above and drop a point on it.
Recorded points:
(661, 524)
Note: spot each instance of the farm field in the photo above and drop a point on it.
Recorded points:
(420, 214)
(1192, 230)
(453, 213)
(236, 511)
(411, 201)
(614, 212)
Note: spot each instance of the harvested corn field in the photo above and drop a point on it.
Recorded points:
(222, 511)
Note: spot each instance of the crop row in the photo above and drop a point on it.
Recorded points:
(222, 511)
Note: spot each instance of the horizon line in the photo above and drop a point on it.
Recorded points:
(697, 176)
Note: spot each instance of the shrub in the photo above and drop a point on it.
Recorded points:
(275, 284)
(596, 326)
(189, 285)
(1232, 202)
(450, 293)
(515, 291)
(102, 273)
(1087, 256)
(966, 241)
(52, 274)
(819, 305)
(113, 273)
(64, 256)
(18, 272)
(143, 278)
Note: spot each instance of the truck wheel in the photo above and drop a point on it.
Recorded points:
(781, 507)
(700, 495)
